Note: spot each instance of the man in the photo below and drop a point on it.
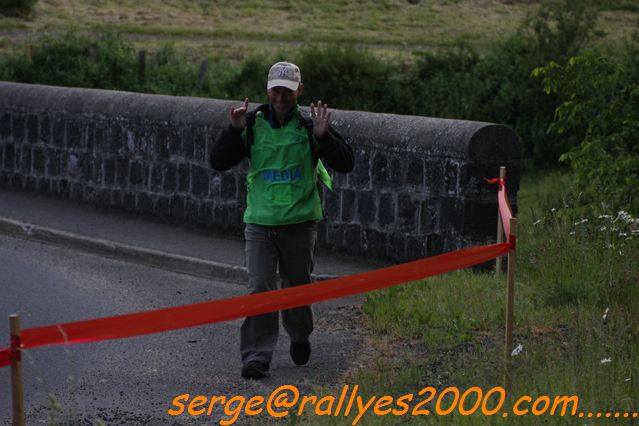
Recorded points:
(283, 205)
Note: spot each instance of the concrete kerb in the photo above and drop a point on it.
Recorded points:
(156, 258)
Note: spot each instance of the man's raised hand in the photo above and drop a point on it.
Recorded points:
(238, 115)
(321, 117)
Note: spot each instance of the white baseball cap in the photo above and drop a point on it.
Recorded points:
(284, 74)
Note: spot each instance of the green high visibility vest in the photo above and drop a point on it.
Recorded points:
(282, 178)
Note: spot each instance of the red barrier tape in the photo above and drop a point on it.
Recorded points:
(14, 350)
(157, 321)
(505, 211)
(5, 358)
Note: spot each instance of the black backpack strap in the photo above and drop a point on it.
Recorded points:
(250, 124)
(307, 123)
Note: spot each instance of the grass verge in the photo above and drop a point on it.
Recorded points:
(576, 304)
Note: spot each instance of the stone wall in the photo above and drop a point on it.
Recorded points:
(417, 188)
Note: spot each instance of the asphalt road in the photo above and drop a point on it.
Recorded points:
(133, 381)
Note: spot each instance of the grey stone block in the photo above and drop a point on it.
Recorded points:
(136, 174)
(170, 177)
(32, 128)
(115, 137)
(58, 132)
(187, 144)
(360, 177)
(74, 135)
(332, 206)
(407, 212)
(176, 206)
(228, 187)
(25, 160)
(5, 126)
(184, 178)
(380, 171)
(44, 134)
(144, 202)
(109, 171)
(386, 215)
(122, 171)
(199, 181)
(160, 144)
(129, 201)
(9, 157)
(199, 146)
(17, 128)
(366, 207)
(156, 177)
(348, 205)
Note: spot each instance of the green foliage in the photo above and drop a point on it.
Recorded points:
(347, 77)
(497, 87)
(249, 80)
(599, 114)
(17, 7)
(75, 60)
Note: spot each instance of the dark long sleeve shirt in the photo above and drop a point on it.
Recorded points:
(229, 149)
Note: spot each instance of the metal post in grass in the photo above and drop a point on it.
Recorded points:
(510, 305)
(500, 225)
(17, 383)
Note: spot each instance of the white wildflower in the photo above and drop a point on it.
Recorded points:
(537, 222)
(581, 222)
(605, 216)
(553, 210)
(605, 361)
(572, 232)
(625, 216)
(517, 350)
(603, 228)
(605, 315)
(623, 234)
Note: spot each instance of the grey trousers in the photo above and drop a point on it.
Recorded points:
(291, 248)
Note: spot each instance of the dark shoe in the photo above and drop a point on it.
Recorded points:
(300, 352)
(255, 370)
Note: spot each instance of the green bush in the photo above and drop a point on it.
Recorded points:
(599, 114)
(497, 87)
(347, 78)
(17, 7)
(76, 60)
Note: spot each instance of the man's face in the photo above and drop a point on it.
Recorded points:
(283, 99)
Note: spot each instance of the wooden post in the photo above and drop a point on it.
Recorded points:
(17, 383)
(141, 66)
(29, 53)
(510, 305)
(500, 226)
(204, 66)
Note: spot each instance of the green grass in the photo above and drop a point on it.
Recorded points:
(449, 330)
(232, 29)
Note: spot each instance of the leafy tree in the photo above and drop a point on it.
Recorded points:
(599, 113)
